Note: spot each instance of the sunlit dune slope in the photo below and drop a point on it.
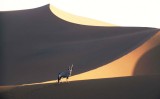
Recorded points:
(140, 87)
(77, 19)
(36, 45)
(126, 65)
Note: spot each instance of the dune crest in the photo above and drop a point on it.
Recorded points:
(77, 19)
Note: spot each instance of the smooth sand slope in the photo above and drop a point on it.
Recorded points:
(144, 60)
(36, 45)
(140, 87)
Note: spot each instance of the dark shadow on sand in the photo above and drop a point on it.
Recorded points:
(149, 63)
(2, 67)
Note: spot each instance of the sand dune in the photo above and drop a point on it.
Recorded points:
(77, 19)
(149, 63)
(140, 87)
(36, 45)
(144, 60)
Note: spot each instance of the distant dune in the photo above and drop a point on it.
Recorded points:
(77, 19)
(36, 45)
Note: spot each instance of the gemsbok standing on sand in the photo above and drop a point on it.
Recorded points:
(65, 74)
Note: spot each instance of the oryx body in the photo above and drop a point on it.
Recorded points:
(65, 74)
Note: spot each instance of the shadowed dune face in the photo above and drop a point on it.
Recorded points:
(149, 63)
(38, 45)
(1, 50)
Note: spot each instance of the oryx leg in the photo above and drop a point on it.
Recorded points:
(67, 79)
(59, 78)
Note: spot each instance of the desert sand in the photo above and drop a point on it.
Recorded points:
(126, 65)
(109, 62)
(138, 87)
(37, 44)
